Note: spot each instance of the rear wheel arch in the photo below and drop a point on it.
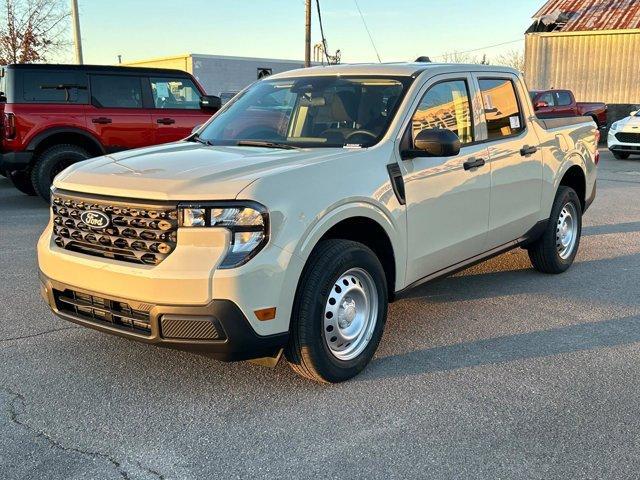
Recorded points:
(66, 136)
(575, 178)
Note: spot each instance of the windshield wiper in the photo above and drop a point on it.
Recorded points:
(261, 143)
(197, 138)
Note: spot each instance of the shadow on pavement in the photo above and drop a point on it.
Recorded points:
(575, 338)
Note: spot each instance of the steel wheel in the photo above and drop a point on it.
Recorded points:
(567, 230)
(350, 314)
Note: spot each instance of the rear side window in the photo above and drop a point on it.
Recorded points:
(116, 91)
(175, 93)
(44, 86)
(501, 108)
(445, 105)
(564, 98)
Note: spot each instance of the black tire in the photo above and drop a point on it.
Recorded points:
(621, 156)
(308, 352)
(51, 162)
(22, 181)
(543, 253)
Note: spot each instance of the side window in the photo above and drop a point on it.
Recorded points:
(445, 105)
(548, 98)
(116, 91)
(501, 108)
(44, 86)
(564, 98)
(175, 93)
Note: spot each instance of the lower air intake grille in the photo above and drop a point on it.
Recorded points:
(102, 311)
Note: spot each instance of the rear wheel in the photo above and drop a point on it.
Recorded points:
(556, 249)
(50, 163)
(22, 181)
(339, 312)
(621, 156)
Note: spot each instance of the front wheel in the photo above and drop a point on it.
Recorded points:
(621, 156)
(339, 312)
(556, 249)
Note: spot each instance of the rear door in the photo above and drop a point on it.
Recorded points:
(447, 203)
(565, 106)
(117, 113)
(176, 102)
(516, 158)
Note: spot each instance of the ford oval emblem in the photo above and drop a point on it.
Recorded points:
(95, 219)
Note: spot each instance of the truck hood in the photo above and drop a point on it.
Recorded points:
(184, 171)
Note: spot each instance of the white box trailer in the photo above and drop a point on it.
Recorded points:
(221, 74)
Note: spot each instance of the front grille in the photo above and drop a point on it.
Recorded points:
(130, 232)
(628, 137)
(103, 311)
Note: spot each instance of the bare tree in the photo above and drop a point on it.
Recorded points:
(513, 59)
(32, 30)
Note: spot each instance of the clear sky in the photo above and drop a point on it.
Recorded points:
(402, 29)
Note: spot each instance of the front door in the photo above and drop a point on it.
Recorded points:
(176, 108)
(447, 202)
(116, 114)
(516, 159)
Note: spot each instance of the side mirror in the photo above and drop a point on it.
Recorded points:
(196, 128)
(540, 104)
(210, 102)
(435, 142)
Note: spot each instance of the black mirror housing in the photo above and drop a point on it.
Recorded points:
(436, 142)
(210, 102)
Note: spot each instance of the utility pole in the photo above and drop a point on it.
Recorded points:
(76, 31)
(307, 34)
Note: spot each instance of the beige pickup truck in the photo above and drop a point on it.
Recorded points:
(290, 220)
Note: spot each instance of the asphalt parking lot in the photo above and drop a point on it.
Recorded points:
(497, 372)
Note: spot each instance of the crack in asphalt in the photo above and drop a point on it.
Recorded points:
(19, 403)
(46, 332)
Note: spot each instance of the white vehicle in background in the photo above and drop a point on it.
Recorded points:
(624, 136)
(314, 198)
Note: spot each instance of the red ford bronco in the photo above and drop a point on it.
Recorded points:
(56, 115)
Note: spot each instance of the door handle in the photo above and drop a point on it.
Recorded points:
(527, 150)
(473, 163)
(101, 120)
(166, 121)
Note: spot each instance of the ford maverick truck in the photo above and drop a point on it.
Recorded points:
(290, 220)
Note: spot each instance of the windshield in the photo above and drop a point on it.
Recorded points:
(322, 111)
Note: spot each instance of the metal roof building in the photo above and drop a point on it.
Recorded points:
(589, 46)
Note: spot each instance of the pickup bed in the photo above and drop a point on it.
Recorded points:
(310, 201)
(562, 103)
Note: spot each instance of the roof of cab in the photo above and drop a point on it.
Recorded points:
(96, 68)
(391, 69)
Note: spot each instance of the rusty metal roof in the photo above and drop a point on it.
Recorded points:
(585, 15)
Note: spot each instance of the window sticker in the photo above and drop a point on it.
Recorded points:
(515, 122)
(162, 90)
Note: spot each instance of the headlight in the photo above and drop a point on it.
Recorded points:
(247, 222)
(615, 126)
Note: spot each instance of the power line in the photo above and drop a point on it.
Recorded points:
(367, 29)
(484, 48)
(324, 40)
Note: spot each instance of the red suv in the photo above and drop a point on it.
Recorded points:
(56, 115)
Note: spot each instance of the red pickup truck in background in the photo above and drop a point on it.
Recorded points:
(562, 103)
(56, 115)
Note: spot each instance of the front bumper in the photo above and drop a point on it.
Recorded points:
(218, 329)
(15, 161)
(616, 145)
